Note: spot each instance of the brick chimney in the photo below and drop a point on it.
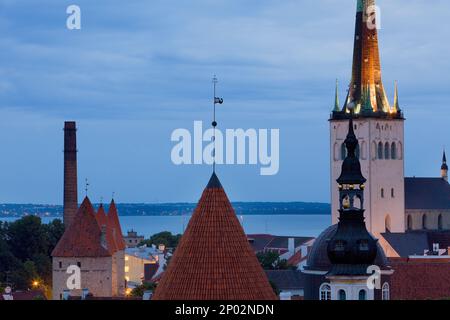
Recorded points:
(70, 172)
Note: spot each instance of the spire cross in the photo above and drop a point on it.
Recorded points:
(86, 186)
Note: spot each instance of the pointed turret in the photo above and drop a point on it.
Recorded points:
(337, 108)
(83, 237)
(105, 224)
(214, 260)
(444, 167)
(113, 218)
(396, 106)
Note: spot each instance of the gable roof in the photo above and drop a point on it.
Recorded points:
(416, 242)
(113, 218)
(286, 279)
(427, 193)
(214, 260)
(83, 237)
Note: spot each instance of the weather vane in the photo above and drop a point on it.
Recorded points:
(217, 100)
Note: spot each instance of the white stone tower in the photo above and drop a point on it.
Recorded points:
(379, 128)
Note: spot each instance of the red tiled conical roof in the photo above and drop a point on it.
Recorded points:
(103, 220)
(113, 218)
(83, 237)
(214, 260)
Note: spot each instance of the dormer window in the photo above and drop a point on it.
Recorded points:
(364, 245)
(339, 245)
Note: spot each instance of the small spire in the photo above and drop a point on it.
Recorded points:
(336, 98)
(444, 167)
(396, 107)
(367, 101)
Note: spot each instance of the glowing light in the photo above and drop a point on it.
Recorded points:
(35, 283)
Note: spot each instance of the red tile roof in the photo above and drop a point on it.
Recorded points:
(214, 260)
(103, 220)
(420, 279)
(83, 237)
(113, 217)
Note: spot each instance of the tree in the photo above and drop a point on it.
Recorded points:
(270, 260)
(139, 291)
(166, 238)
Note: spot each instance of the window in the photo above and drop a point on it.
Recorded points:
(127, 269)
(362, 294)
(342, 295)
(409, 222)
(387, 223)
(79, 264)
(325, 292)
(358, 151)
(60, 264)
(343, 151)
(386, 151)
(339, 245)
(393, 151)
(440, 224)
(385, 294)
(382, 192)
(380, 150)
(392, 193)
(364, 245)
(424, 221)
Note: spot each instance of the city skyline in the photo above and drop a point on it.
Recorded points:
(128, 93)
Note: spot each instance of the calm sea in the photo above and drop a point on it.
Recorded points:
(282, 225)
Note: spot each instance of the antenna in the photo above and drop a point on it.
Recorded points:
(214, 123)
(86, 187)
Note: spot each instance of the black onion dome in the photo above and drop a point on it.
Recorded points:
(318, 259)
(351, 168)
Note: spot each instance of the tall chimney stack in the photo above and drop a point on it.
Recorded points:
(70, 172)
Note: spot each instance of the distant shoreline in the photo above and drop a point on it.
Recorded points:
(173, 209)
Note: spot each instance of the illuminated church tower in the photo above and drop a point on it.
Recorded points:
(379, 128)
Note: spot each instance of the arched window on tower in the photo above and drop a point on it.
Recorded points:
(386, 151)
(336, 152)
(380, 150)
(325, 292)
(342, 295)
(363, 150)
(440, 222)
(392, 193)
(362, 294)
(385, 295)
(424, 221)
(343, 151)
(393, 151)
(409, 222)
(382, 192)
(399, 151)
(387, 223)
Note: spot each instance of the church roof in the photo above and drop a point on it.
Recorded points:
(83, 237)
(113, 218)
(416, 242)
(427, 193)
(214, 260)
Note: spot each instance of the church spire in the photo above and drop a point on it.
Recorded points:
(444, 167)
(352, 248)
(366, 68)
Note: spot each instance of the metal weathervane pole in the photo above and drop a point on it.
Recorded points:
(216, 100)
